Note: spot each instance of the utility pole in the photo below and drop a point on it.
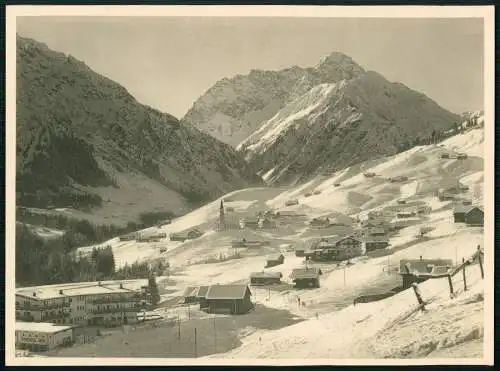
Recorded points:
(195, 345)
(215, 337)
(178, 327)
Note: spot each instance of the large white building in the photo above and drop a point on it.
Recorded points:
(84, 303)
(40, 337)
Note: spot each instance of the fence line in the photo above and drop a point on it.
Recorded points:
(477, 256)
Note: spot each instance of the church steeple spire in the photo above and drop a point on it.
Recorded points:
(222, 220)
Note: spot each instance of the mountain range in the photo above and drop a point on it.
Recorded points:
(83, 140)
(297, 122)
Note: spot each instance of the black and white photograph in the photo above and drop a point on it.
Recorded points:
(249, 185)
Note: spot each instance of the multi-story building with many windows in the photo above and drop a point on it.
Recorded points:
(85, 303)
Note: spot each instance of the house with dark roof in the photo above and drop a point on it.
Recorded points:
(306, 277)
(419, 270)
(189, 234)
(190, 295)
(319, 222)
(464, 212)
(376, 242)
(274, 259)
(375, 231)
(265, 278)
(292, 202)
(282, 214)
(475, 216)
(338, 248)
(399, 178)
(459, 212)
(228, 299)
(201, 294)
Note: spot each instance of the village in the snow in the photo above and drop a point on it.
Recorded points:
(380, 260)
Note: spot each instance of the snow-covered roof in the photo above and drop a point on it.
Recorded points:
(226, 291)
(45, 327)
(80, 288)
(266, 275)
(425, 266)
(304, 273)
(274, 257)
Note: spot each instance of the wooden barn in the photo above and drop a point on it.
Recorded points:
(474, 216)
(319, 223)
(265, 278)
(190, 295)
(274, 260)
(469, 214)
(306, 277)
(128, 237)
(190, 234)
(228, 299)
(300, 252)
(398, 179)
(376, 242)
(459, 212)
(419, 270)
(201, 294)
(375, 231)
(288, 214)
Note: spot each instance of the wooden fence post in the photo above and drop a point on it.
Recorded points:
(195, 345)
(421, 302)
(480, 260)
(464, 274)
(450, 282)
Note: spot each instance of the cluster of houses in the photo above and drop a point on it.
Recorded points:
(261, 220)
(309, 194)
(458, 156)
(325, 222)
(451, 193)
(236, 298)
(189, 234)
(154, 237)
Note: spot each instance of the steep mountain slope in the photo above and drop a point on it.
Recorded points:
(332, 126)
(82, 137)
(234, 108)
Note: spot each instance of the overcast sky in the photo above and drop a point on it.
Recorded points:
(168, 63)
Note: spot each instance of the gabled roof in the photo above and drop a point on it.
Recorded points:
(304, 273)
(227, 292)
(266, 275)
(373, 230)
(424, 266)
(475, 207)
(190, 291)
(349, 237)
(377, 239)
(460, 208)
(274, 257)
(202, 291)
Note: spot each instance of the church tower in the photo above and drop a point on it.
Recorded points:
(222, 219)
